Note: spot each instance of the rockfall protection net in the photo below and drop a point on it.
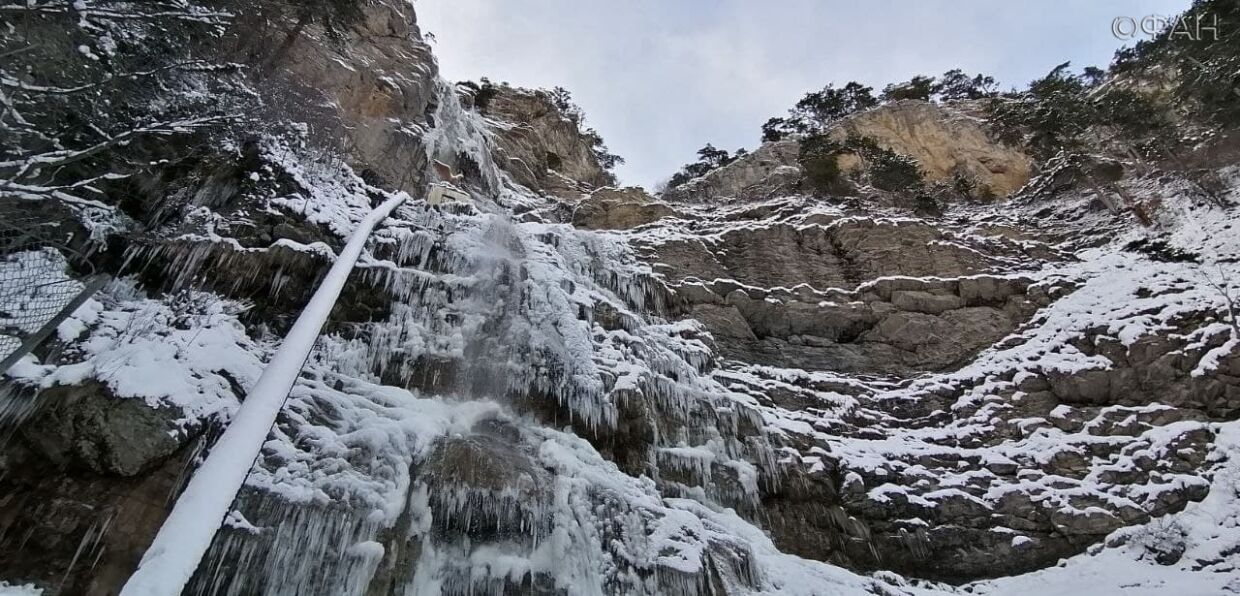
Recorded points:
(35, 278)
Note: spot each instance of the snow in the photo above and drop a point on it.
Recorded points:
(328, 475)
(186, 355)
(175, 553)
(1207, 530)
(7, 589)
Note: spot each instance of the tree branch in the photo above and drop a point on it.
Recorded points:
(56, 159)
(8, 80)
(167, 11)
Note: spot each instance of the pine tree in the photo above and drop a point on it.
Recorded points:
(919, 87)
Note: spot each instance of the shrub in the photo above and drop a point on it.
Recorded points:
(1056, 110)
(888, 170)
(819, 160)
(892, 171)
(563, 101)
(1050, 116)
(709, 158)
(1207, 60)
(924, 204)
(963, 185)
(955, 84)
(1134, 113)
(817, 110)
(605, 157)
(831, 104)
(919, 87)
(484, 92)
(775, 129)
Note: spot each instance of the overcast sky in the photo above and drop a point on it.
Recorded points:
(660, 78)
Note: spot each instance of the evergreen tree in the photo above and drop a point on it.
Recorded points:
(1093, 76)
(955, 84)
(919, 87)
(709, 158)
(831, 104)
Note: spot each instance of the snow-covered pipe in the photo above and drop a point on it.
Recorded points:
(174, 555)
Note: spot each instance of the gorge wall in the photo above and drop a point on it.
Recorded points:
(741, 386)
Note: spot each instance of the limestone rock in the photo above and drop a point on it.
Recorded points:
(925, 302)
(768, 171)
(540, 146)
(843, 255)
(371, 92)
(944, 142)
(1073, 170)
(619, 209)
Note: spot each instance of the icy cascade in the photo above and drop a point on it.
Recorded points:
(493, 326)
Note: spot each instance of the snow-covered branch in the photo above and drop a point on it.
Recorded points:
(7, 80)
(62, 193)
(56, 159)
(66, 132)
(1223, 285)
(122, 11)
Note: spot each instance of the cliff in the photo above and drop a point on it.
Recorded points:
(539, 142)
(944, 140)
(562, 387)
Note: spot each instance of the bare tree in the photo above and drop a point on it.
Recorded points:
(1223, 285)
(83, 82)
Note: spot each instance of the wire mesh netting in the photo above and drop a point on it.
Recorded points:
(35, 277)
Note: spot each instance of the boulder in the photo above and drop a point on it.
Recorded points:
(1089, 522)
(86, 426)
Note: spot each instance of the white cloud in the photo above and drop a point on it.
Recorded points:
(659, 79)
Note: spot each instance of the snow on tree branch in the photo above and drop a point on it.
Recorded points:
(69, 131)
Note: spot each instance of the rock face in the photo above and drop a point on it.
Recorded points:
(539, 145)
(370, 94)
(619, 209)
(794, 294)
(769, 171)
(944, 141)
(821, 291)
(88, 427)
(86, 487)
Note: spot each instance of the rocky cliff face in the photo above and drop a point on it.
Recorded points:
(841, 342)
(557, 388)
(370, 95)
(944, 140)
(538, 143)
